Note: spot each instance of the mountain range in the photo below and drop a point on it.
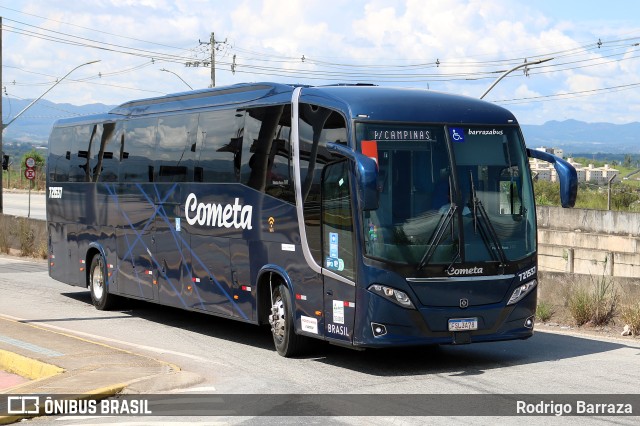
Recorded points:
(572, 136)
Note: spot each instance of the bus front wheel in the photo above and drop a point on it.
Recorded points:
(100, 296)
(287, 342)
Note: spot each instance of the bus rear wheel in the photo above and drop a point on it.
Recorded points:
(100, 296)
(287, 342)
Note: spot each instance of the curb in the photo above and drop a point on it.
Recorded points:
(27, 367)
(45, 377)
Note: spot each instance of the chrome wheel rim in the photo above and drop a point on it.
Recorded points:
(97, 281)
(278, 323)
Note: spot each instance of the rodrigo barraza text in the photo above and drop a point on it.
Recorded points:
(579, 407)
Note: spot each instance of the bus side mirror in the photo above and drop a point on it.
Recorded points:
(567, 176)
(366, 175)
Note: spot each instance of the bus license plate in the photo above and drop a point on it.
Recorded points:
(463, 324)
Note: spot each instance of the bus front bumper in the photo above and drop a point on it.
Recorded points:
(392, 325)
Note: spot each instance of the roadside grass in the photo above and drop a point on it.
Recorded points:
(544, 311)
(594, 305)
(630, 314)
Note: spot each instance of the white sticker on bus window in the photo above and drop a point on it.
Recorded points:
(341, 182)
(333, 245)
(310, 325)
(177, 224)
(338, 311)
(288, 247)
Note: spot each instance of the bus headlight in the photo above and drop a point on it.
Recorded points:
(396, 296)
(520, 292)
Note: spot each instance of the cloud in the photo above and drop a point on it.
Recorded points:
(472, 40)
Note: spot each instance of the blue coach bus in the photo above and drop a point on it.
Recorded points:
(361, 215)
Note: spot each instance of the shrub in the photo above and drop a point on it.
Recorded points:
(4, 235)
(595, 306)
(580, 306)
(544, 311)
(27, 238)
(631, 316)
(605, 300)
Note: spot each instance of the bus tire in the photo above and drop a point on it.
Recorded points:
(287, 342)
(100, 296)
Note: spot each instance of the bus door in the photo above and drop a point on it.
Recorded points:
(338, 252)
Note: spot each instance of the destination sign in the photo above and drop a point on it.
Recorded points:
(402, 135)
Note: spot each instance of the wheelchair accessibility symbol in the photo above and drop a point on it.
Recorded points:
(457, 134)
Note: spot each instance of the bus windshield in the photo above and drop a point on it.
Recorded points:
(448, 194)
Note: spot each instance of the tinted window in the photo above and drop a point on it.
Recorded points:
(219, 146)
(176, 148)
(317, 126)
(79, 153)
(59, 146)
(337, 220)
(108, 158)
(138, 150)
(266, 156)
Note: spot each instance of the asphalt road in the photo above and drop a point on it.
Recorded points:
(234, 357)
(17, 204)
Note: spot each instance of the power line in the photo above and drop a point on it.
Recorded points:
(317, 69)
(567, 95)
(93, 29)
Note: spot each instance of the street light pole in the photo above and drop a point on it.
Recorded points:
(4, 126)
(166, 70)
(510, 71)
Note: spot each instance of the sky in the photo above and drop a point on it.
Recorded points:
(455, 46)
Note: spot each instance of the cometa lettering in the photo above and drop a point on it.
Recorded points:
(217, 215)
(464, 271)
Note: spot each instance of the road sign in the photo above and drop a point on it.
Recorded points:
(30, 162)
(30, 174)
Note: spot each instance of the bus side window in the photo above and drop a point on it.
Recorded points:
(79, 153)
(176, 135)
(266, 156)
(106, 167)
(317, 126)
(139, 150)
(219, 146)
(336, 220)
(59, 145)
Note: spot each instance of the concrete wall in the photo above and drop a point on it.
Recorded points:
(23, 236)
(591, 242)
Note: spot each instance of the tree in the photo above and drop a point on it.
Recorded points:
(40, 160)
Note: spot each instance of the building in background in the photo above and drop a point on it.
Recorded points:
(545, 171)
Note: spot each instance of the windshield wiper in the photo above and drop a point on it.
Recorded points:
(441, 229)
(487, 231)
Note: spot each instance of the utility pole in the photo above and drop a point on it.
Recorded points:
(212, 42)
(1, 125)
(609, 191)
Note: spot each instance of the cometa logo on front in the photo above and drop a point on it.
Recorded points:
(464, 271)
(217, 215)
